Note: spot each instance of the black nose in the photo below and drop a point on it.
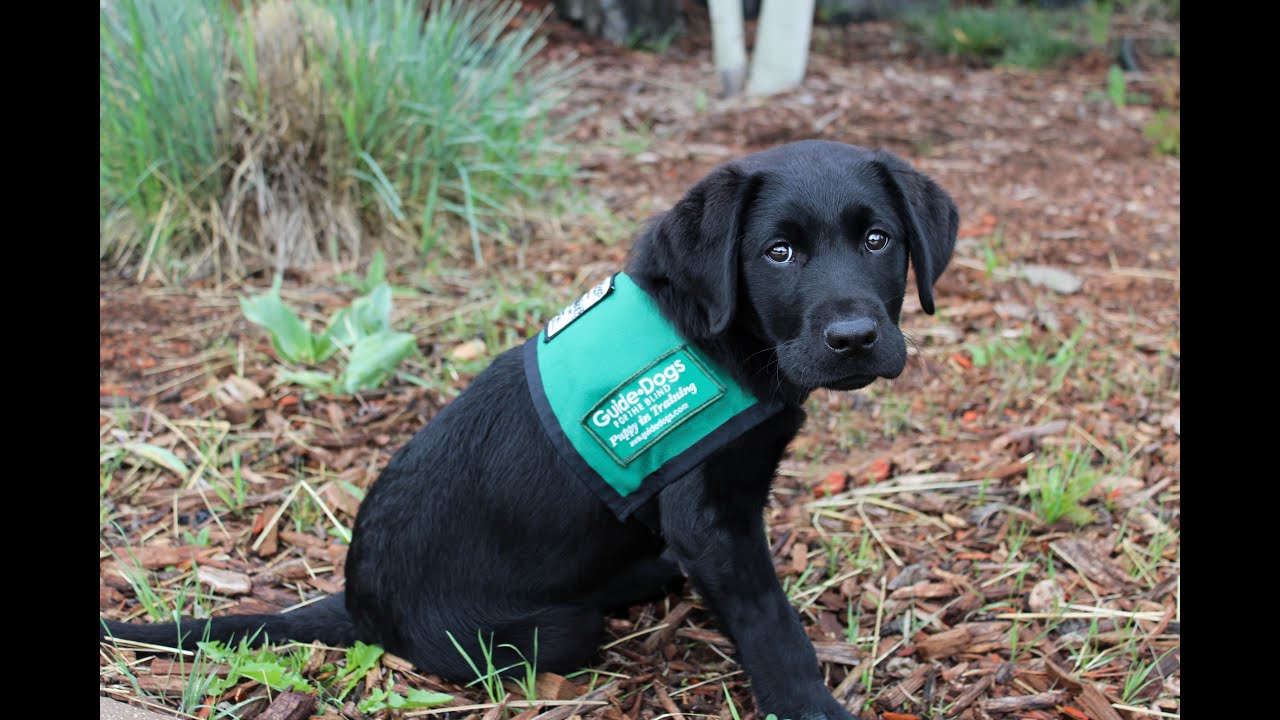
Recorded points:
(851, 336)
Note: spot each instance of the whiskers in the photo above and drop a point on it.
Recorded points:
(774, 366)
(916, 361)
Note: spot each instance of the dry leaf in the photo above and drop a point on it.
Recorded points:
(469, 350)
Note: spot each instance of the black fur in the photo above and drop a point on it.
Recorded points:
(478, 526)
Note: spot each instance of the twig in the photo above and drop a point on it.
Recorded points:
(876, 534)
(346, 534)
(716, 679)
(636, 634)
(262, 537)
(191, 376)
(1144, 711)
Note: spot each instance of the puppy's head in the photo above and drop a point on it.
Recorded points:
(804, 247)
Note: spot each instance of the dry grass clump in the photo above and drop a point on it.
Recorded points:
(296, 131)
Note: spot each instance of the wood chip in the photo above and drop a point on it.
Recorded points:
(1096, 704)
(397, 663)
(169, 666)
(1092, 564)
(973, 693)
(799, 558)
(710, 637)
(909, 575)
(1014, 437)
(959, 639)
(251, 605)
(550, 686)
(999, 473)
(157, 557)
(270, 544)
(905, 691)
(498, 710)
(305, 540)
(327, 585)
(673, 621)
(527, 714)
(839, 653)
(924, 590)
(348, 439)
(226, 582)
(163, 684)
(290, 706)
(340, 498)
(295, 569)
(563, 712)
(667, 703)
(1020, 703)
(945, 643)
(1088, 695)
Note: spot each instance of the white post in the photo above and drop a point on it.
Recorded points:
(727, 44)
(782, 46)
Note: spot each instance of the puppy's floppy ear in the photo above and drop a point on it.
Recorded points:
(689, 255)
(932, 218)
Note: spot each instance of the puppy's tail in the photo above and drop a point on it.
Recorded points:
(325, 621)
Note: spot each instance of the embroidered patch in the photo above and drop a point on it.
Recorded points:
(650, 404)
(578, 308)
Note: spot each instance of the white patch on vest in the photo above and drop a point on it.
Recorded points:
(633, 417)
(578, 308)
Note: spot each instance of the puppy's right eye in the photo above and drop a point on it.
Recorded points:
(780, 253)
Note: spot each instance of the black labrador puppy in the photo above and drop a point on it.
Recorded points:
(783, 271)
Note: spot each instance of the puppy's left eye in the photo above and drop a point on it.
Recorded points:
(877, 240)
(780, 252)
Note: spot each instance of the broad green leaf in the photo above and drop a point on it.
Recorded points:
(313, 379)
(157, 455)
(361, 659)
(290, 336)
(377, 272)
(215, 651)
(273, 675)
(322, 348)
(373, 702)
(264, 671)
(380, 699)
(418, 698)
(218, 685)
(374, 358)
(364, 656)
(366, 315)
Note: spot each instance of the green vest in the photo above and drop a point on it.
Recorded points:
(629, 403)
